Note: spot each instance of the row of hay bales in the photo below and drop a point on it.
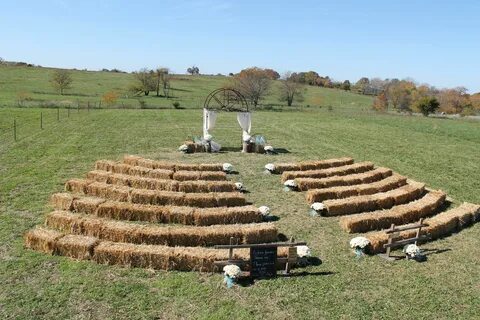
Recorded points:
(333, 171)
(154, 197)
(152, 214)
(118, 231)
(161, 173)
(128, 254)
(438, 226)
(159, 214)
(312, 165)
(196, 186)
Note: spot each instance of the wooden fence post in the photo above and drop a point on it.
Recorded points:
(14, 129)
(41, 120)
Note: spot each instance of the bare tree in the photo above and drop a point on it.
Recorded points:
(2, 61)
(145, 83)
(290, 89)
(162, 79)
(253, 83)
(61, 80)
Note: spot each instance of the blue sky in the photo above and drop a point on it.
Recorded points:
(436, 42)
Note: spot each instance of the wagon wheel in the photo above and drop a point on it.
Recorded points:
(226, 100)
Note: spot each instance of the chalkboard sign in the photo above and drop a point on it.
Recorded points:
(263, 262)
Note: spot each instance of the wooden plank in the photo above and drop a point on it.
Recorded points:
(408, 227)
(405, 241)
(260, 245)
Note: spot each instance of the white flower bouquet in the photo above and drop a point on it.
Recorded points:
(359, 244)
(270, 168)
(264, 210)
(303, 251)
(208, 137)
(231, 273)
(239, 186)
(412, 251)
(290, 185)
(183, 148)
(316, 208)
(269, 150)
(227, 167)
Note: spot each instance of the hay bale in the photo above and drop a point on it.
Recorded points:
(77, 185)
(323, 173)
(105, 165)
(75, 246)
(153, 184)
(226, 215)
(211, 167)
(41, 239)
(132, 212)
(213, 175)
(62, 201)
(186, 175)
(383, 200)
(438, 226)
(87, 205)
(187, 167)
(398, 215)
(142, 196)
(99, 175)
(139, 171)
(200, 200)
(121, 168)
(181, 215)
(161, 174)
(230, 199)
(64, 221)
(312, 165)
(206, 186)
(131, 160)
(108, 191)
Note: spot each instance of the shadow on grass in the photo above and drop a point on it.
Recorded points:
(428, 252)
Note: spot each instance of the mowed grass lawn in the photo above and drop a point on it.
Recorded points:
(443, 153)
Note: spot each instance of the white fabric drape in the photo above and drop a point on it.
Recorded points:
(209, 118)
(245, 121)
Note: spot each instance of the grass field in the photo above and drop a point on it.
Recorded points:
(190, 92)
(442, 153)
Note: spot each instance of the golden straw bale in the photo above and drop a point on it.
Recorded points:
(131, 160)
(42, 239)
(438, 226)
(77, 185)
(62, 201)
(200, 200)
(398, 215)
(161, 174)
(312, 165)
(139, 171)
(323, 173)
(64, 221)
(187, 167)
(99, 175)
(213, 175)
(230, 199)
(382, 200)
(259, 232)
(121, 168)
(211, 167)
(75, 246)
(305, 184)
(120, 180)
(153, 184)
(108, 191)
(225, 215)
(142, 196)
(105, 165)
(132, 212)
(206, 186)
(154, 164)
(186, 175)
(181, 215)
(87, 205)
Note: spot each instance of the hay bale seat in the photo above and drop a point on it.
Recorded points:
(200, 186)
(335, 171)
(154, 164)
(117, 231)
(159, 214)
(131, 255)
(312, 184)
(377, 201)
(312, 165)
(384, 185)
(440, 225)
(398, 215)
(155, 197)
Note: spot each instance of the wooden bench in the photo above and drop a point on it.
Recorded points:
(393, 234)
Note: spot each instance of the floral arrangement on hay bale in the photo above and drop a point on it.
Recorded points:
(198, 144)
(256, 144)
(359, 246)
(413, 252)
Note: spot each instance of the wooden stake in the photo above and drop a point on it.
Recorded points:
(41, 120)
(14, 129)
